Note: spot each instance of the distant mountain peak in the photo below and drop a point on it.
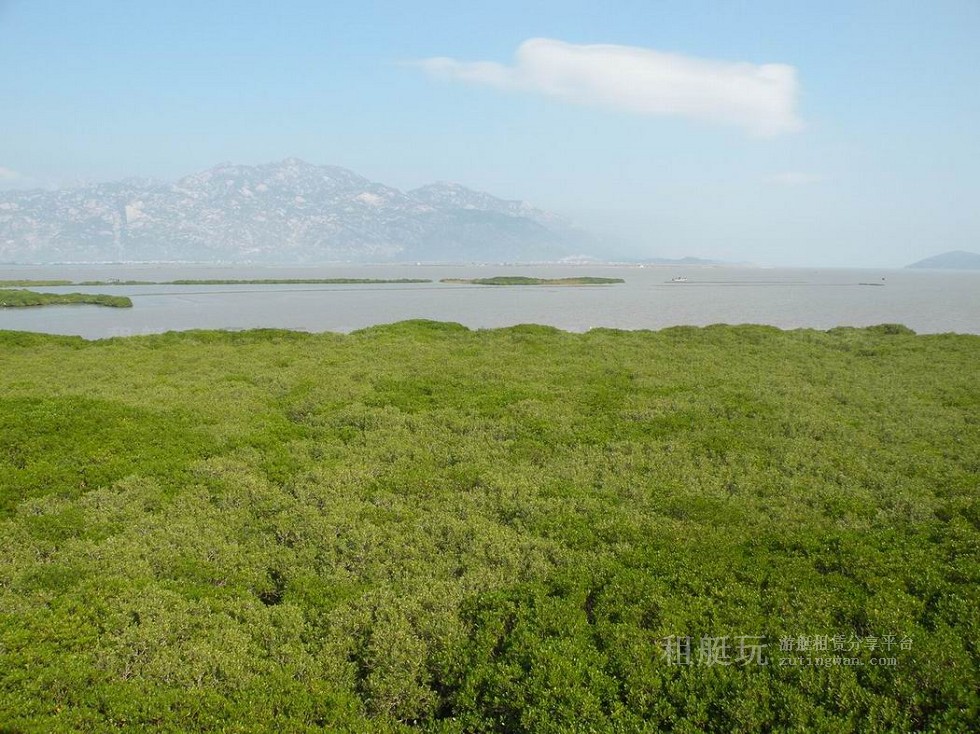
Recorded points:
(448, 186)
(952, 260)
(285, 211)
(441, 189)
(447, 193)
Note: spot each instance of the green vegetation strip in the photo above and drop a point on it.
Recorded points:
(32, 283)
(10, 298)
(419, 527)
(523, 280)
(262, 281)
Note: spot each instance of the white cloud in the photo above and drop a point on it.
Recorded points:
(760, 98)
(794, 178)
(8, 174)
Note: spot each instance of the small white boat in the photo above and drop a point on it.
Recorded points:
(678, 279)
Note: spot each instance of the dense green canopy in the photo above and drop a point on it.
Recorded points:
(422, 525)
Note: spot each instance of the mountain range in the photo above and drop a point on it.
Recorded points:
(285, 212)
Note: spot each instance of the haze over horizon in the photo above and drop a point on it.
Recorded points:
(836, 135)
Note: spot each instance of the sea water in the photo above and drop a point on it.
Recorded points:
(650, 298)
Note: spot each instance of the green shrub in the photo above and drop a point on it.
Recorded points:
(424, 527)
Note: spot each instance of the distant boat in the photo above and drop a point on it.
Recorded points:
(678, 279)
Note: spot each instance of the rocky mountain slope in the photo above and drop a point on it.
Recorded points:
(286, 212)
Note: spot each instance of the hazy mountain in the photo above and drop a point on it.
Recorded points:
(288, 212)
(953, 260)
(454, 196)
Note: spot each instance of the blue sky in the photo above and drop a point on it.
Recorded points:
(783, 133)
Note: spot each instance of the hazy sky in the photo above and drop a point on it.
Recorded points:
(785, 133)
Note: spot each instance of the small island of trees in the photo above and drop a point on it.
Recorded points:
(17, 298)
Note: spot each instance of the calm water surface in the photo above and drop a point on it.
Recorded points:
(927, 301)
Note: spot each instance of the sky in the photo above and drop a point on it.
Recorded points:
(835, 134)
